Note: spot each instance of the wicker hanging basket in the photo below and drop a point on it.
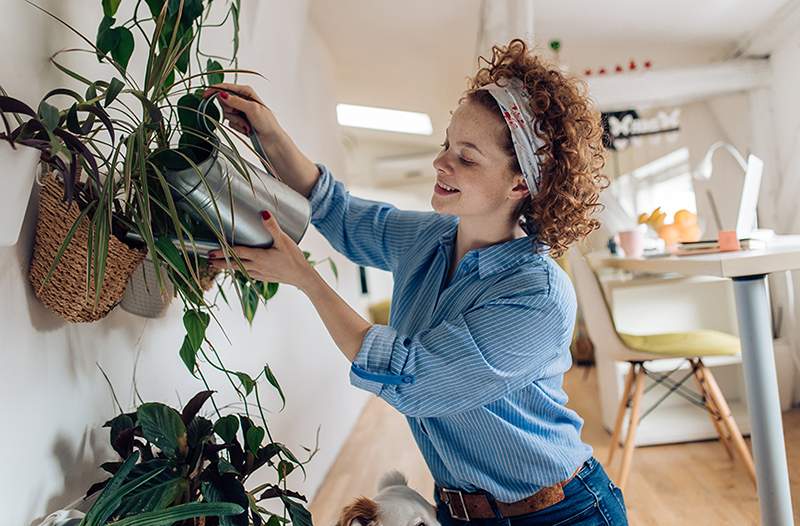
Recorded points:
(66, 292)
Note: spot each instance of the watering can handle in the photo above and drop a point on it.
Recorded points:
(253, 136)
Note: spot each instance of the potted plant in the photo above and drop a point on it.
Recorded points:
(68, 227)
(188, 458)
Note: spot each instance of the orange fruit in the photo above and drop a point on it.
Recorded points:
(685, 218)
(670, 233)
(689, 233)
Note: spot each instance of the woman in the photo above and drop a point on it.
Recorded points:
(481, 315)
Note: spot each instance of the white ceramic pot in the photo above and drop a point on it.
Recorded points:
(18, 168)
(63, 518)
(143, 296)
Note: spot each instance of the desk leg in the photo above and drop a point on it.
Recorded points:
(761, 384)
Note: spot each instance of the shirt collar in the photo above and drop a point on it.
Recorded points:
(500, 256)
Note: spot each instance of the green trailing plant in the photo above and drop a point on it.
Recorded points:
(112, 144)
(171, 459)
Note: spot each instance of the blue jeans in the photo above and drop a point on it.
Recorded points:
(589, 499)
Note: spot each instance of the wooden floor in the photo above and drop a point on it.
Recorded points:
(679, 484)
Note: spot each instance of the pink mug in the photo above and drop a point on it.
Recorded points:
(632, 243)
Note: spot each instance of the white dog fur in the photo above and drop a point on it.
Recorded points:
(395, 505)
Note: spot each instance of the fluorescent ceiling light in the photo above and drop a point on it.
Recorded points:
(384, 119)
(671, 160)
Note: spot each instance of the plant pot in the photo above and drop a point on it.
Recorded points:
(63, 518)
(19, 168)
(66, 292)
(143, 296)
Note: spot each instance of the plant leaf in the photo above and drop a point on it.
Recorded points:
(110, 7)
(227, 427)
(214, 72)
(223, 466)
(123, 50)
(182, 512)
(247, 382)
(253, 439)
(196, 323)
(188, 354)
(199, 431)
(114, 88)
(274, 382)
(299, 514)
(107, 38)
(163, 426)
(284, 469)
(194, 405)
(155, 495)
(49, 115)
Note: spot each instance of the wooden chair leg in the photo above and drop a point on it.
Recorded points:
(633, 423)
(730, 423)
(623, 404)
(713, 411)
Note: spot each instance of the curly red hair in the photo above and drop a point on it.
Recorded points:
(572, 157)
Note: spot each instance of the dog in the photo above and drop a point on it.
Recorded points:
(396, 504)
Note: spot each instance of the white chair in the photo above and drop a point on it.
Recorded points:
(637, 350)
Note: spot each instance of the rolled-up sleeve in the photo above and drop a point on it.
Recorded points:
(469, 361)
(369, 233)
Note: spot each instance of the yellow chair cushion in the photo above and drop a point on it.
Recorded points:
(379, 312)
(684, 344)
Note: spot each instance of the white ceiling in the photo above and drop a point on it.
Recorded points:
(415, 54)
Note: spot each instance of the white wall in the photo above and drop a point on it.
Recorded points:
(54, 397)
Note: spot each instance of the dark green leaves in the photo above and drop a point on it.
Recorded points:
(124, 49)
(162, 426)
(114, 89)
(49, 115)
(196, 323)
(253, 439)
(299, 514)
(227, 427)
(110, 7)
(115, 40)
(214, 72)
(189, 355)
(107, 39)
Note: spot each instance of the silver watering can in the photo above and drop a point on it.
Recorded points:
(238, 204)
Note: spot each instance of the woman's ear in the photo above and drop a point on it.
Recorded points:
(362, 512)
(520, 189)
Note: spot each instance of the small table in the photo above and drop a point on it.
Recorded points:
(748, 270)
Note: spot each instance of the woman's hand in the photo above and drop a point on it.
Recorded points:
(284, 262)
(243, 109)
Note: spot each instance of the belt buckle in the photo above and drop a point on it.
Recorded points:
(453, 514)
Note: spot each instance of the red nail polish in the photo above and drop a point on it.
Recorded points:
(223, 94)
(265, 215)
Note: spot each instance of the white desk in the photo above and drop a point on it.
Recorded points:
(748, 270)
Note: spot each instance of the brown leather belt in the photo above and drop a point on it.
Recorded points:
(468, 506)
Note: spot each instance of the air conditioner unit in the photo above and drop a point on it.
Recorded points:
(404, 169)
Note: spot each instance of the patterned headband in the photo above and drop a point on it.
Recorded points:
(514, 101)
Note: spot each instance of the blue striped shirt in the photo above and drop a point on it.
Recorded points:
(475, 364)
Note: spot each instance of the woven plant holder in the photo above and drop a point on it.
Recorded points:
(66, 293)
(144, 296)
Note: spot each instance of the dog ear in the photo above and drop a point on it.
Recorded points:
(392, 478)
(362, 512)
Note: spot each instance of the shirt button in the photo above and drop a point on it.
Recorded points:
(408, 379)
